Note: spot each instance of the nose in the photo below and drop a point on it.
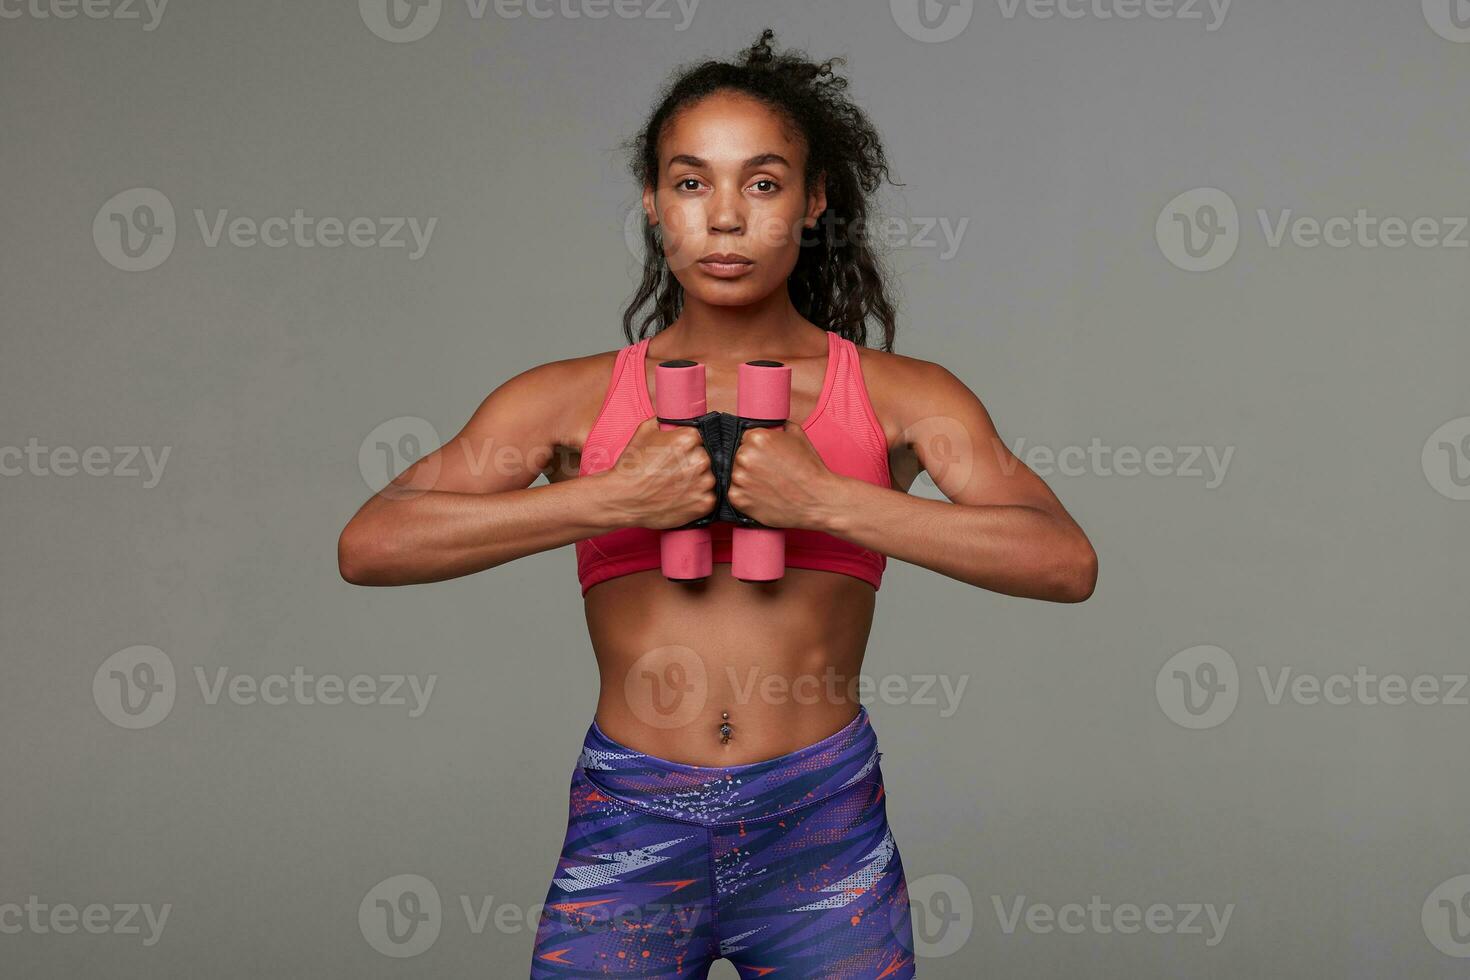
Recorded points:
(726, 216)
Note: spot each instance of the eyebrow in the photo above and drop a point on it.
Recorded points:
(759, 160)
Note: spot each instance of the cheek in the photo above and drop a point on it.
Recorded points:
(776, 231)
(682, 220)
(683, 234)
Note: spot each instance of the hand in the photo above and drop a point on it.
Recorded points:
(662, 479)
(778, 478)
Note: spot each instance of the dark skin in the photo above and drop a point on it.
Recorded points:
(780, 659)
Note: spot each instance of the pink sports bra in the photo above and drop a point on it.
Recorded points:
(843, 428)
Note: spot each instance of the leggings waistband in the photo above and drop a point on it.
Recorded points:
(726, 794)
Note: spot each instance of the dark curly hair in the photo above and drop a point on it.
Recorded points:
(838, 282)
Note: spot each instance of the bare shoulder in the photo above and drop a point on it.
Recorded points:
(568, 375)
(566, 394)
(905, 389)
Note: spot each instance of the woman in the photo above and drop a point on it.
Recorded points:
(728, 800)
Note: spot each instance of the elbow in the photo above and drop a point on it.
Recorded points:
(1065, 571)
(355, 562)
(1077, 577)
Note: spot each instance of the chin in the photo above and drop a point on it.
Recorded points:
(728, 293)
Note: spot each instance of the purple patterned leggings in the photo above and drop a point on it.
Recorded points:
(785, 867)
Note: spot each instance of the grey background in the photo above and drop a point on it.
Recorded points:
(1060, 776)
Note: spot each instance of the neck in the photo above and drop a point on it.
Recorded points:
(770, 327)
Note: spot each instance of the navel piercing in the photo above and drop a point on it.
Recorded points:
(725, 730)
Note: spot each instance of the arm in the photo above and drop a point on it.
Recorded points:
(1003, 529)
(469, 505)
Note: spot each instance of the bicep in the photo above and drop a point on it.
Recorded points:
(956, 442)
(510, 439)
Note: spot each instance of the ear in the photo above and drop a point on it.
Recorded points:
(650, 208)
(816, 199)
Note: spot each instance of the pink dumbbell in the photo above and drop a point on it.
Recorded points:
(685, 554)
(763, 398)
(758, 554)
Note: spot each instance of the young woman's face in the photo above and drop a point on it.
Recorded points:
(730, 186)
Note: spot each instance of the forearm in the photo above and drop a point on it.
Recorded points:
(432, 535)
(1014, 549)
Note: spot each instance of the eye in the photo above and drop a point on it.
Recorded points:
(773, 185)
(680, 185)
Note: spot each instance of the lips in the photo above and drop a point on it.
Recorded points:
(726, 265)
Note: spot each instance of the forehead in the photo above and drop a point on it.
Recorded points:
(727, 128)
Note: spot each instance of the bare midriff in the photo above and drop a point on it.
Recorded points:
(777, 662)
